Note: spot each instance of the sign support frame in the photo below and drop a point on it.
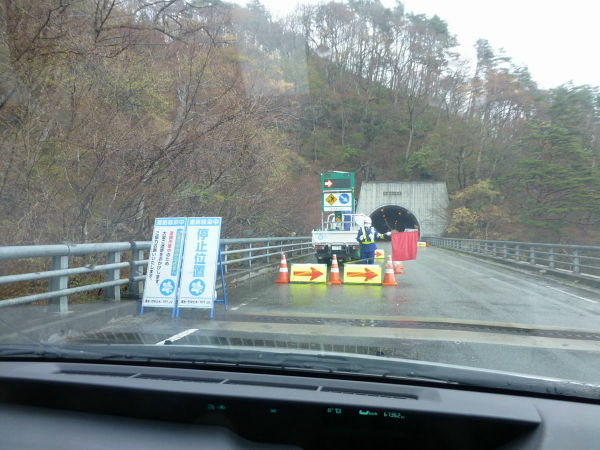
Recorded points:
(223, 288)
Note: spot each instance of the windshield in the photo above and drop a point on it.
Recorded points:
(367, 186)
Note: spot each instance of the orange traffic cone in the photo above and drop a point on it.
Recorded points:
(388, 278)
(334, 274)
(398, 267)
(284, 276)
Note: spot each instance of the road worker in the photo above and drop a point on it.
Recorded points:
(366, 237)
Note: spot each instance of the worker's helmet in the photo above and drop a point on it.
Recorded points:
(368, 221)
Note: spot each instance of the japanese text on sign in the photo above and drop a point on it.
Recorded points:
(200, 259)
(162, 276)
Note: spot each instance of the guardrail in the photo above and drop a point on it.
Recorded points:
(106, 258)
(579, 261)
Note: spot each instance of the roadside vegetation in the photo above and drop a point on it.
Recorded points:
(114, 112)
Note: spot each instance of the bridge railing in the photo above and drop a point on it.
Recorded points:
(580, 261)
(116, 264)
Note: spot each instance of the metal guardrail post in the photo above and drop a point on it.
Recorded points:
(505, 252)
(576, 261)
(226, 258)
(249, 262)
(551, 258)
(494, 250)
(518, 253)
(532, 255)
(267, 251)
(135, 287)
(60, 303)
(112, 292)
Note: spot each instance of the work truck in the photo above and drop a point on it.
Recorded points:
(337, 235)
(339, 223)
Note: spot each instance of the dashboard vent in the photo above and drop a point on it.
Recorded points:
(143, 376)
(99, 373)
(306, 387)
(370, 393)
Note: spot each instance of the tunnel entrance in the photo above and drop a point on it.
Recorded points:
(393, 218)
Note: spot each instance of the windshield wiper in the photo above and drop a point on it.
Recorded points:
(391, 369)
(216, 358)
(55, 352)
(378, 367)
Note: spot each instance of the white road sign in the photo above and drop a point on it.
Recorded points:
(200, 262)
(162, 277)
(337, 201)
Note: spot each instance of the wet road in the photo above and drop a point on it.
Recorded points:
(437, 285)
(448, 308)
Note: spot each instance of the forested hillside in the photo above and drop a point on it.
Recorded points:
(115, 112)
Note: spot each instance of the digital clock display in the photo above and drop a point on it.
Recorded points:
(393, 415)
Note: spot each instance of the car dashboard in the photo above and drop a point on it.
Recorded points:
(73, 405)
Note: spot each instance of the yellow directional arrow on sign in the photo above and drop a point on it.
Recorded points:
(362, 273)
(308, 273)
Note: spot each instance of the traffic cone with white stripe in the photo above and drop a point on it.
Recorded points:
(284, 275)
(398, 267)
(389, 279)
(334, 273)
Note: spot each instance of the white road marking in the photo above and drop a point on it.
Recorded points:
(178, 336)
(572, 295)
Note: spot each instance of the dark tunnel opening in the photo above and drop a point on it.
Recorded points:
(393, 218)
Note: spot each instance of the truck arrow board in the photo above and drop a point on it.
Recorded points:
(337, 181)
(308, 273)
(362, 273)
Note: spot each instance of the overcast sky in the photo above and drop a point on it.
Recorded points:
(557, 40)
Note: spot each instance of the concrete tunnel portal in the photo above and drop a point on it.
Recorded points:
(399, 205)
(393, 218)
